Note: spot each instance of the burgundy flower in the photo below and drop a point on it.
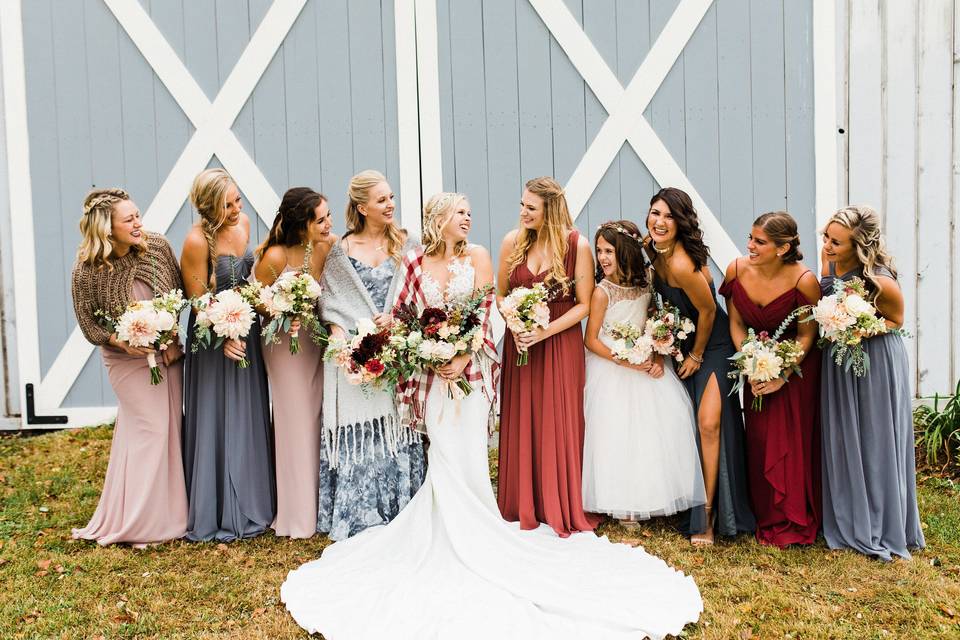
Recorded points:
(370, 346)
(374, 366)
(432, 315)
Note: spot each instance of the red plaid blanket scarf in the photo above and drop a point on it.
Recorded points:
(483, 370)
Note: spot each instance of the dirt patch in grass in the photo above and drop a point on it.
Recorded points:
(55, 587)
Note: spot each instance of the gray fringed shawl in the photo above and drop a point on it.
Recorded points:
(347, 409)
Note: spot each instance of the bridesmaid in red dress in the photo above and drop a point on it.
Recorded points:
(541, 414)
(783, 438)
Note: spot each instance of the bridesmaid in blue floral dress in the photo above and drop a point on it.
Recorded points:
(370, 466)
(869, 475)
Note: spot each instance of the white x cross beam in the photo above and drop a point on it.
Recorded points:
(212, 136)
(625, 108)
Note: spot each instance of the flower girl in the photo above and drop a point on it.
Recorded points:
(640, 455)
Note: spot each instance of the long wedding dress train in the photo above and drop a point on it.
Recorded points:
(449, 567)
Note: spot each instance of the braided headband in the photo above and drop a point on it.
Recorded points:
(443, 203)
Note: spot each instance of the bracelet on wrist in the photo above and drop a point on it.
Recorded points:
(696, 358)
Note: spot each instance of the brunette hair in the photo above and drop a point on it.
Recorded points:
(689, 233)
(293, 218)
(782, 229)
(628, 250)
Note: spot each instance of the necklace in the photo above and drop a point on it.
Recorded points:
(664, 251)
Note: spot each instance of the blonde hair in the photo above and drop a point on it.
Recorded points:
(359, 194)
(96, 225)
(436, 214)
(208, 195)
(863, 222)
(557, 225)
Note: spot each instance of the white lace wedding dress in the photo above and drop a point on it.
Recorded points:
(449, 567)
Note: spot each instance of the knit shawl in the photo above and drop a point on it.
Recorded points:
(348, 410)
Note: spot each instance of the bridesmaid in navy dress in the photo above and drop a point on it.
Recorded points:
(682, 278)
(783, 438)
(869, 475)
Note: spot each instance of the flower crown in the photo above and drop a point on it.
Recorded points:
(620, 229)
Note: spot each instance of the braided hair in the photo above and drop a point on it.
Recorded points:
(208, 195)
(96, 225)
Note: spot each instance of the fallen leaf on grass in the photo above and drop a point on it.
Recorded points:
(746, 634)
(44, 564)
(947, 611)
(222, 547)
(259, 611)
(30, 618)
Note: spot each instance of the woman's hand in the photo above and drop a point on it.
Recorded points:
(526, 339)
(127, 348)
(656, 366)
(688, 367)
(294, 327)
(234, 349)
(766, 388)
(337, 332)
(383, 320)
(453, 369)
(172, 353)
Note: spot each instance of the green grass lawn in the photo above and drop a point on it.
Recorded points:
(55, 587)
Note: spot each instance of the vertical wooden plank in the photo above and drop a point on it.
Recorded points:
(267, 136)
(469, 104)
(769, 144)
(200, 36)
(798, 94)
(600, 24)
(934, 120)
(735, 126)
(391, 139)
(666, 110)
(843, 99)
(138, 123)
(500, 63)
(337, 161)
(701, 110)
(865, 135)
(366, 70)
(41, 98)
(300, 61)
(103, 73)
(633, 43)
(899, 208)
(445, 48)
(567, 93)
(536, 118)
(955, 202)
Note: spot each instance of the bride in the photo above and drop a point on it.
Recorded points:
(449, 566)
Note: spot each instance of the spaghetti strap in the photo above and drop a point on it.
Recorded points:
(736, 267)
(801, 277)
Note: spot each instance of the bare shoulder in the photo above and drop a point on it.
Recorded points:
(582, 242)
(275, 256)
(732, 270)
(195, 242)
(478, 253)
(808, 284)
(508, 242)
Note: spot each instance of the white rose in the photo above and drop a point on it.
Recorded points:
(858, 306)
(414, 339)
(165, 320)
(366, 326)
(444, 351)
(426, 349)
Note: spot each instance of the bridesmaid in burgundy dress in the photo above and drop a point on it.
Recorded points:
(541, 416)
(783, 439)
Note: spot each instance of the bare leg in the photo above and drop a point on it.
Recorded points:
(708, 423)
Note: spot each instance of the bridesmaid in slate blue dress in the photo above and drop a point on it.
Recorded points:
(682, 278)
(228, 442)
(869, 475)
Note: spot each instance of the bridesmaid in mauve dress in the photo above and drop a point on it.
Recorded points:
(228, 444)
(869, 469)
(541, 417)
(143, 500)
(296, 380)
(783, 438)
(682, 278)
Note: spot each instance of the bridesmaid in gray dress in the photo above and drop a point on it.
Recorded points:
(869, 475)
(228, 443)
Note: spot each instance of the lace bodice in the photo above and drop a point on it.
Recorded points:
(624, 304)
(459, 286)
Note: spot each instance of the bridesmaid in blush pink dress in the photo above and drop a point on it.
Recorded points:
(144, 498)
(541, 416)
(296, 380)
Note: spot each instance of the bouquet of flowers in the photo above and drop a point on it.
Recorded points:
(368, 356)
(631, 343)
(228, 314)
(437, 335)
(292, 296)
(763, 357)
(845, 318)
(667, 330)
(149, 323)
(525, 308)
